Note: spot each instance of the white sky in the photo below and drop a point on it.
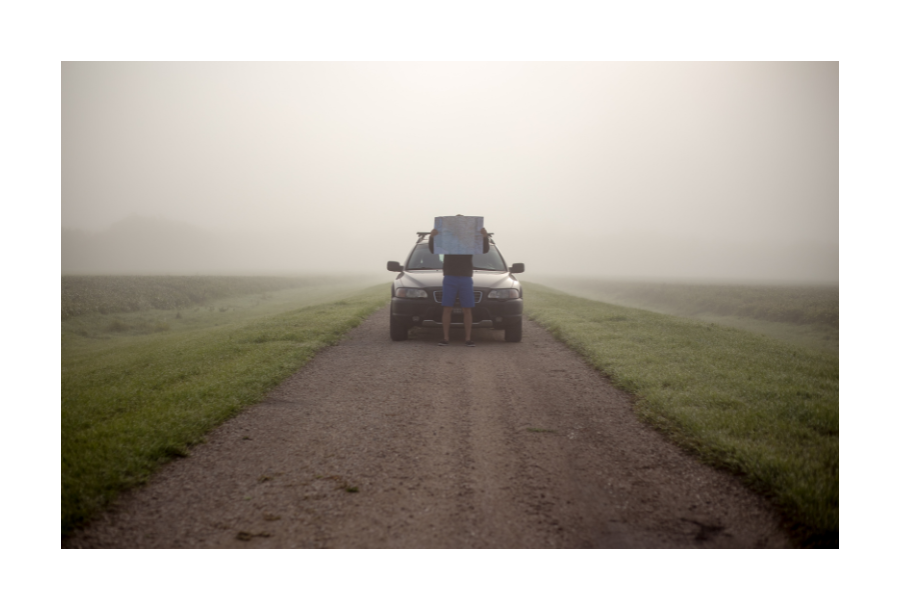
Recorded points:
(725, 153)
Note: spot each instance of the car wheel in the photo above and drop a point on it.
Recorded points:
(513, 332)
(399, 330)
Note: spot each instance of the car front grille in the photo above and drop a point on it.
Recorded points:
(438, 295)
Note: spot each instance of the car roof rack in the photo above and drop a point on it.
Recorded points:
(423, 234)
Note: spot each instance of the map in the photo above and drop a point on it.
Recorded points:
(458, 235)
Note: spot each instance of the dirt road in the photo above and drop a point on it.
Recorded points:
(411, 445)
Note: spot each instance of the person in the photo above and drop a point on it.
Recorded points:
(458, 271)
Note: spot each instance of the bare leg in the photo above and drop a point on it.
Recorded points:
(467, 322)
(448, 311)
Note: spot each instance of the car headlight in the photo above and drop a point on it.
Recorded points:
(505, 293)
(411, 293)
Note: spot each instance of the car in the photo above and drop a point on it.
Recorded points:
(416, 292)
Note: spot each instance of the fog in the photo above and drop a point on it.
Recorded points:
(694, 171)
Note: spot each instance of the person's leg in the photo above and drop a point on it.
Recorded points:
(450, 290)
(448, 311)
(467, 301)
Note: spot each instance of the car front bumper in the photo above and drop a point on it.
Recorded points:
(490, 313)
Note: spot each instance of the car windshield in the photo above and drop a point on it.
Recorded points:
(421, 259)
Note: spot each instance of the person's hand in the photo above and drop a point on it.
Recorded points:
(434, 231)
(484, 231)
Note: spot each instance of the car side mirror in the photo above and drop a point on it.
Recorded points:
(517, 268)
(394, 266)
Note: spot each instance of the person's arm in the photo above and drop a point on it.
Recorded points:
(431, 240)
(487, 241)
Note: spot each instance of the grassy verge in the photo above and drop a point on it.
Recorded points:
(104, 294)
(751, 404)
(806, 316)
(139, 389)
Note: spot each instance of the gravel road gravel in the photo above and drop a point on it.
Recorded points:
(377, 444)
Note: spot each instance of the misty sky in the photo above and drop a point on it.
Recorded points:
(712, 170)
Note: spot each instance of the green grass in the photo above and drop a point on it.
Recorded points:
(754, 405)
(141, 388)
(105, 294)
(806, 316)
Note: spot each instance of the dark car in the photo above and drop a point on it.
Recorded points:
(417, 290)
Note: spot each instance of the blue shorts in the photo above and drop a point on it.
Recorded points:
(461, 285)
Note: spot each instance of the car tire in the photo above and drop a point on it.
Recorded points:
(513, 332)
(399, 330)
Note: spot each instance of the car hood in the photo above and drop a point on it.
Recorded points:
(488, 280)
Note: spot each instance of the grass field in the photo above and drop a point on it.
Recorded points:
(806, 316)
(141, 387)
(758, 406)
(104, 294)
